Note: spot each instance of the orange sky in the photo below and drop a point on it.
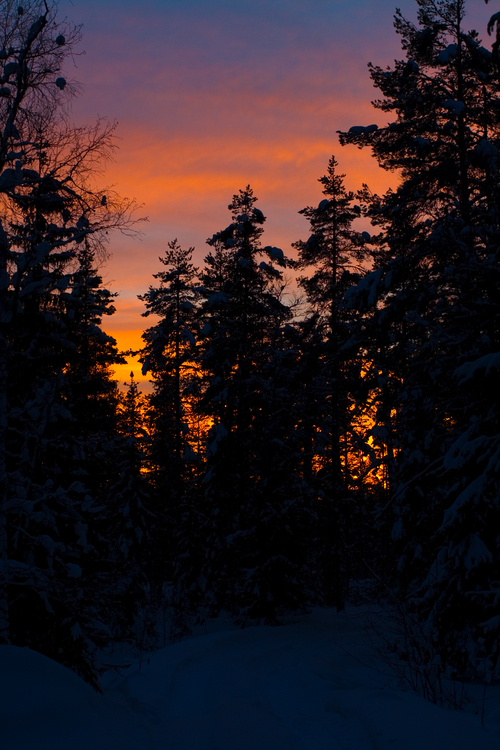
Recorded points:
(212, 95)
(188, 199)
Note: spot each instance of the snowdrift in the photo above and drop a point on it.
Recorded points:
(314, 683)
(44, 706)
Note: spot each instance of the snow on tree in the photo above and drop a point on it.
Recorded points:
(430, 304)
(245, 561)
(336, 253)
(130, 523)
(168, 355)
(50, 210)
(92, 393)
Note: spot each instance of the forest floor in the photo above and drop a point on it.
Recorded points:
(315, 683)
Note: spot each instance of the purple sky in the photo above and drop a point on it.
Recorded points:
(211, 95)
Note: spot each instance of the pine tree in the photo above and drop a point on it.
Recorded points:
(50, 597)
(280, 555)
(130, 523)
(89, 375)
(336, 253)
(239, 319)
(430, 306)
(168, 355)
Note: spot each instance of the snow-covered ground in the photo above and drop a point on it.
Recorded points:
(314, 683)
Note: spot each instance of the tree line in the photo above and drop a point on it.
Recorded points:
(293, 446)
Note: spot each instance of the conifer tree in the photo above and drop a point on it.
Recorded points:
(50, 596)
(168, 355)
(282, 549)
(335, 251)
(89, 375)
(429, 307)
(239, 319)
(131, 522)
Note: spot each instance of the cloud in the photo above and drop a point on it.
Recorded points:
(212, 95)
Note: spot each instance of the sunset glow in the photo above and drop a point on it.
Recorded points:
(249, 377)
(211, 97)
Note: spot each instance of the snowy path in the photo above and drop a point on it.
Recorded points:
(304, 686)
(295, 687)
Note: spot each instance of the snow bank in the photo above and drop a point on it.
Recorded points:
(44, 706)
(314, 683)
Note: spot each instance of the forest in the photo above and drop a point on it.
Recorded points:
(324, 424)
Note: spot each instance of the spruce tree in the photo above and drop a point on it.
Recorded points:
(429, 307)
(336, 253)
(240, 316)
(92, 391)
(168, 355)
(51, 598)
(130, 523)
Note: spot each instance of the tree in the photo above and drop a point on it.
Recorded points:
(130, 522)
(91, 390)
(492, 23)
(168, 354)
(336, 252)
(430, 306)
(50, 210)
(240, 316)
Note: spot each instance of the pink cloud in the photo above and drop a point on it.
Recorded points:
(214, 95)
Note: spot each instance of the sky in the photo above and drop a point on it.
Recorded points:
(212, 95)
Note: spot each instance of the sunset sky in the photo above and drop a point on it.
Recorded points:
(212, 95)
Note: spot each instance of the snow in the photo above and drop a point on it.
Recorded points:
(217, 298)
(269, 269)
(8, 179)
(217, 433)
(398, 530)
(495, 19)
(9, 70)
(421, 142)
(277, 254)
(446, 54)
(368, 284)
(475, 491)
(189, 454)
(42, 250)
(45, 706)
(477, 553)
(74, 571)
(315, 683)
(486, 149)
(361, 130)
(36, 28)
(487, 365)
(454, 106)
